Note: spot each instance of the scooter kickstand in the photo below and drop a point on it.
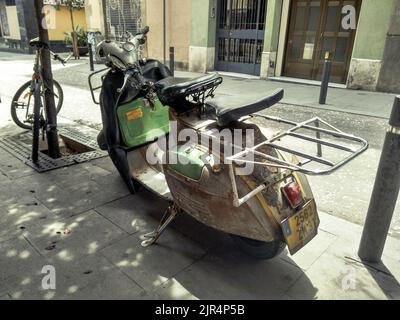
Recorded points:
(168, 217)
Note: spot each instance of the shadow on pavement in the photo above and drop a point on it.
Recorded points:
(384, 279)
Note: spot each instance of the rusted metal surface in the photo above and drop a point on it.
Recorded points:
(210, 200)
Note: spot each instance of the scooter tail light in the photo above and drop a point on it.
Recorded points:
(293, 194)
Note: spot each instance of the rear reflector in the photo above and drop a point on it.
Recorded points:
(293, 194)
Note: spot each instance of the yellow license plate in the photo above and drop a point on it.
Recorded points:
(300, 228)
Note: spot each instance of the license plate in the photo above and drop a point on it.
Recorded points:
(301, 228)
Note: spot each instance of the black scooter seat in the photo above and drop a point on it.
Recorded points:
(228, 109)
(171, 90)
(38, 44)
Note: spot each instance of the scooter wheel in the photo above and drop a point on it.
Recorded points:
(101, 141)
(259, 249)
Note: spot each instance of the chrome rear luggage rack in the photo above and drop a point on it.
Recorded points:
(306, 159)
(315, 125)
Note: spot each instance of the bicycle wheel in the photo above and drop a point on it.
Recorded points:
(21, 109)
(36, 123)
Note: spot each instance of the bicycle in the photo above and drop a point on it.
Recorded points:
(36, 87)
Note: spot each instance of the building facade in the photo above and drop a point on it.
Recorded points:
(289, 38)
(18, 24)
(265, 38)
(283, 38)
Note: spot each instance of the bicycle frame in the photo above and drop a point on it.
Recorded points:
(37, 76)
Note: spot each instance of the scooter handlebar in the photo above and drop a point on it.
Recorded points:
(142, 83)
(58, 58)
(144, 31)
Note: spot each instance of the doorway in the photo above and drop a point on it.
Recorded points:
(240, 35)
(315, 27)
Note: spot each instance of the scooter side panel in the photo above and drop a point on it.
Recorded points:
(210, 201)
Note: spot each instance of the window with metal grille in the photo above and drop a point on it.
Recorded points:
(122, 16)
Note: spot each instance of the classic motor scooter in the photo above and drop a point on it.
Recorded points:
(252, 186)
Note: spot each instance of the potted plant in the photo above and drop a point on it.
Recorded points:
(81, 36)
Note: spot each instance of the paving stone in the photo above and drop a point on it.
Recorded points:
(96, 278)
(134, 213)
(74, 175)
(92, 277)
(338, 226)
(386, 275)
(225, 274)
(77, 198)
(4, 178)
(333, 276)
(173, 290)
(312, 251)
(21, 216)
(72, 238)
(152, 266)
(206, 237)
(105, 163)
(20, 266)
(65, 203)
(112, 182)
(12, 167)
(349, 238)
(10, 192)
(391, 265)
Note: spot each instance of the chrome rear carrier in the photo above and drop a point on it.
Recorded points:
(307, 160)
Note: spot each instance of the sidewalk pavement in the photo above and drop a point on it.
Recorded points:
(83, 221)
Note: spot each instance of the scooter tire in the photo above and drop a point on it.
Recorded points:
(101, 141)
(259, 249)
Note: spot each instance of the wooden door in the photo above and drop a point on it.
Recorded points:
(316, 27)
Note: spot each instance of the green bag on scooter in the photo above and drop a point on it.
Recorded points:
(141, 122)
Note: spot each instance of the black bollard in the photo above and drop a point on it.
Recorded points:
(172, 60)
(325, 78)
(91, 56)
(385, 193)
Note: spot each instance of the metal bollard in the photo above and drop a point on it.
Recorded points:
(91, 56)
(172, 60)
(385, 193)
(325, 78)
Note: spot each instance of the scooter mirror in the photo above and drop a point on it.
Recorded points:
(145, 30)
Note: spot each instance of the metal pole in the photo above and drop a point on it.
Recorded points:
(325, 78)
(318, 136)
(164, 31)
(50, 106)
(106, 32)
(172, 60)
(385, 193)
(90, 46)
(74, 35)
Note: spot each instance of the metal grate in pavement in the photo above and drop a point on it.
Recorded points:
(20, 147)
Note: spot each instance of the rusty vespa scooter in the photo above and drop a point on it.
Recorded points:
(208, 158)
